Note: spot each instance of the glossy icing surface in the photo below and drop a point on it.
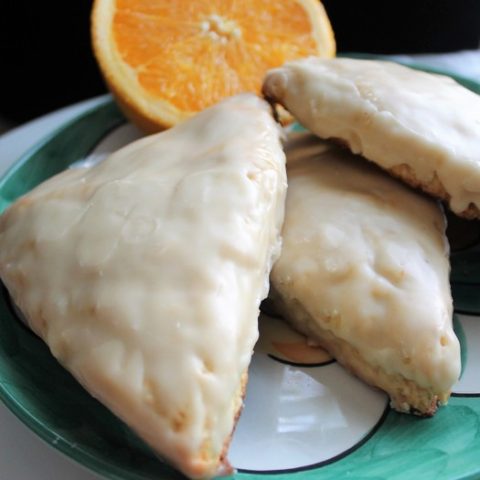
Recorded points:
(367, 258)
(144, 273)
(392, 115)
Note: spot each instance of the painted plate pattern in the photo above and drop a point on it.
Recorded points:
(305, 417)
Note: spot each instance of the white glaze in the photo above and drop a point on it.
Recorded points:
(144, 273)
(390, 114)
(367, 258)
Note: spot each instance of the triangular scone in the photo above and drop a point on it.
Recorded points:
(144, 274)
(421, 127)
(364, 272)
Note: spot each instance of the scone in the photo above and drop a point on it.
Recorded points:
(421, 127)
(364, 272)
(144, 274)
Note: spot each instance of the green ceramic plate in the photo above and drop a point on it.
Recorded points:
(301, 420)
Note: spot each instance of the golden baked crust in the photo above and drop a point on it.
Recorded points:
(434, 188)
(225, 467)
(405, 395)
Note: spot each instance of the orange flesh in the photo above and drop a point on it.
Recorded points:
(193, 54)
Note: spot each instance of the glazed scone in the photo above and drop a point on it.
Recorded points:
(364, 272)
(422, 128)
(144, 274)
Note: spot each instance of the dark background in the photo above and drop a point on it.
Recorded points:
(47, 63)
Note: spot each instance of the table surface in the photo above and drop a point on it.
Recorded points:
(23, 455)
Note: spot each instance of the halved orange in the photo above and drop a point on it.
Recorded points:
(165, 60)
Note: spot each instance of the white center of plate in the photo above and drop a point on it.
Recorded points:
(295, 417)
